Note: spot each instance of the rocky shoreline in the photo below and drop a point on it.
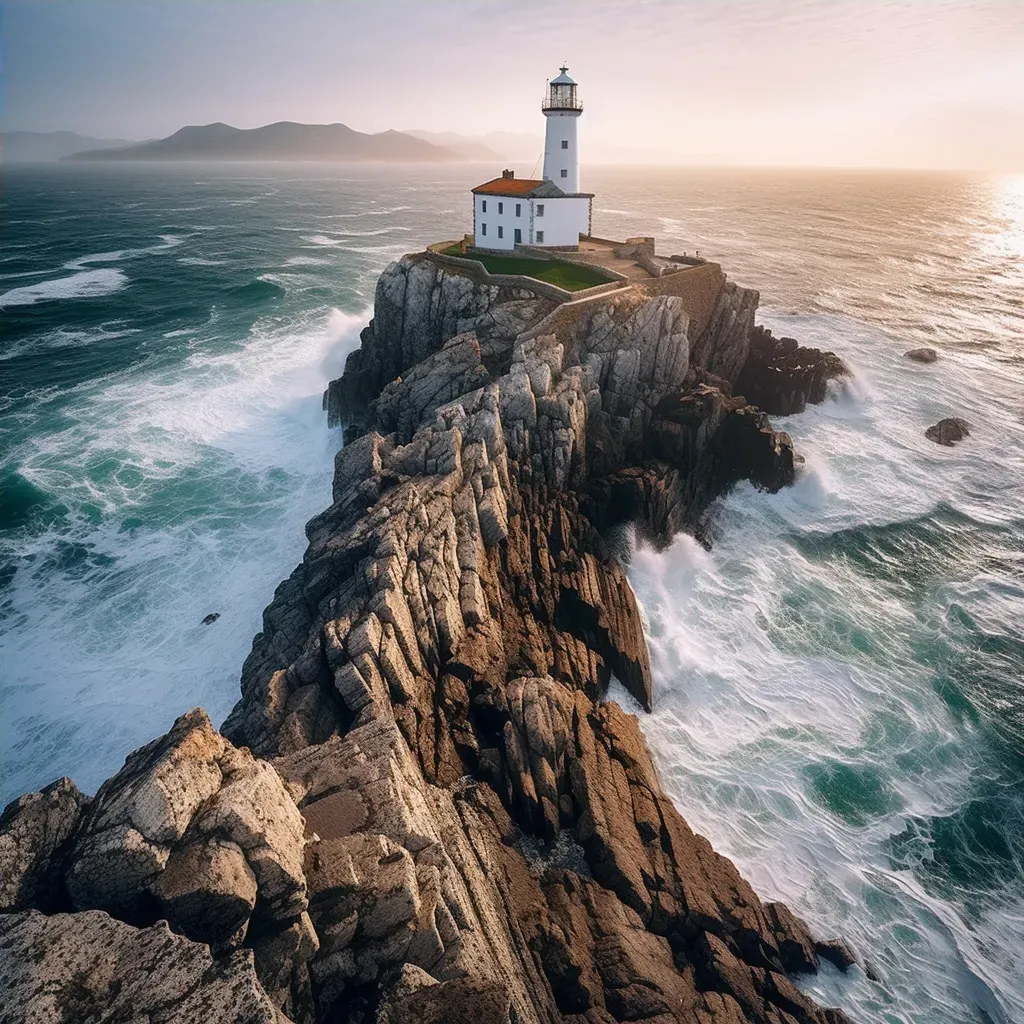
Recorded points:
(421, 808)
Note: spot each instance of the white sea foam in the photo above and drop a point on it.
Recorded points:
(772, 667)
(324, 240)
(166, 242)
(86, 284)
(305, 261)
(187, 489)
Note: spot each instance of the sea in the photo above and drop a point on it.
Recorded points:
(839, 701)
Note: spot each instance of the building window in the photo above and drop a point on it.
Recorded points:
(565, 173)
(483, 206)
(540, 237)
(501, 230)
(501, 207)
(519, 235)
(540, 209)
(565, 143)
(483, 229)
(519, 209)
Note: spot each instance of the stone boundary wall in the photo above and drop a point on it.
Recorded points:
(604, 241)
(568, 313)
(542, 288)
(698, 287)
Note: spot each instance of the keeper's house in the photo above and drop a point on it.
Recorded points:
(551, 211)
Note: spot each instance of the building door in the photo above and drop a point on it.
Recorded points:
(519, 235)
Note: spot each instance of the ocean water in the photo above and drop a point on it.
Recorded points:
(838, 680)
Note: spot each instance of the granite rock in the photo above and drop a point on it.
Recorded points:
(35, 831)
(422, 807)
(72, 968)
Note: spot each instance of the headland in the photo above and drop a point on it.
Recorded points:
(422, 807)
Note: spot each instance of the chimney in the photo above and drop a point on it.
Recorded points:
(508, 174)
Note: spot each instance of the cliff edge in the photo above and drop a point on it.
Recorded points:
(422, 808)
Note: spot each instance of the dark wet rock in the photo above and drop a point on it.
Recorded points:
(837, 952)
(949, 431)
(922, 355)
(781, 377)
(872, 971)
(210, 619)
(422, 808)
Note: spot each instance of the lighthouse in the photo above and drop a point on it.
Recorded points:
(548, 212)
(562, 109)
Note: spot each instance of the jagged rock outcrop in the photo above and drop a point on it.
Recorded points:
(199, 829)
(192, 831)
(419, 304)
(440, 817)
(724, 345)
(780, 376)
(35, 831)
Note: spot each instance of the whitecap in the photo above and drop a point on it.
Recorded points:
(305, 261)
(324, 240)
(166, 242)
(88, 284)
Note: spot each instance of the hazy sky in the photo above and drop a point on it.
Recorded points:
(926, 83)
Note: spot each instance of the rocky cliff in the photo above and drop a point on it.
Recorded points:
(422, 809)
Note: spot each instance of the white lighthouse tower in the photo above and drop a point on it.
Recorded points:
(562, 110)
(549, 212)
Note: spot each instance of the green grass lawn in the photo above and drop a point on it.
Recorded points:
(571, 276)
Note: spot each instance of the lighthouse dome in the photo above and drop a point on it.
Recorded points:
(563, 78)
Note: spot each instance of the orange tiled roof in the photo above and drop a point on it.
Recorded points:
(509, 186)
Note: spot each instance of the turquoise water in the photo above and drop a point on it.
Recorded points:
(838, 681)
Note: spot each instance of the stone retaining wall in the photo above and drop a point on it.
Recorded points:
(542, 288)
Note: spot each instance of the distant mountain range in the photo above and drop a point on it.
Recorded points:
(36, 147)
(283, 141)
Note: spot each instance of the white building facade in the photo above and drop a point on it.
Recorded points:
(562, 109)
(510, 211)
(505, 214)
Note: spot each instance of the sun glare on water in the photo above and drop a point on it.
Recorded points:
(1008, 210)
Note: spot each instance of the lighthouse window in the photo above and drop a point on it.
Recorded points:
(501, 208)
(483, 206)
(540, 209)
(501, 230)
(519, 209)
(565, 173)
(540, 236)
(483, 229)
(565, 143)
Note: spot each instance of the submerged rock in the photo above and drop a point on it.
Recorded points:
(424, 705)
(948, 431)
(837, 952)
